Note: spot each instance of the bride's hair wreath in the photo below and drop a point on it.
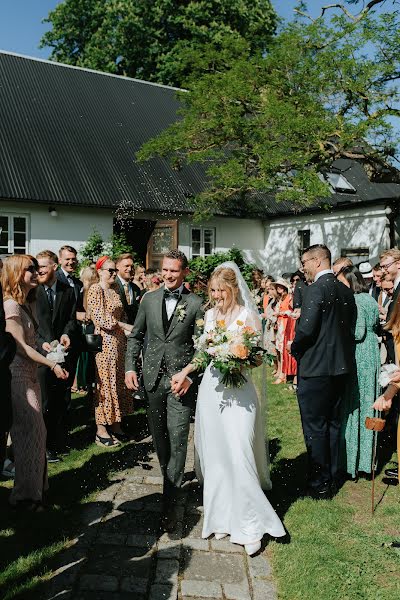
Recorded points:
(226, 279)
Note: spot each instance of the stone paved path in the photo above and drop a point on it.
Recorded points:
(121, 553)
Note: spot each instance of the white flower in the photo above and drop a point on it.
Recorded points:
(181, 312)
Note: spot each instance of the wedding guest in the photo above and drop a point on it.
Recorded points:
(125, 268)
(85, 369)
(340, 263)
(7, 352)
(112, 400)
(56, 315)
(300, 286)
(286, 363)
(265, 287)
(139, 282)
(257, 291)
(367, 273)
(377, 275)
(384, 403)
(390, 265)
(270, 317)
(363, 385)
(28, 431)
(385, 295)
(324, 349)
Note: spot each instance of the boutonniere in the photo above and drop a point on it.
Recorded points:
(181, 312)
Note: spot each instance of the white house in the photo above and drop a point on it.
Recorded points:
(68, 138)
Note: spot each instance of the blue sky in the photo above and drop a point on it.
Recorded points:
(21, 22)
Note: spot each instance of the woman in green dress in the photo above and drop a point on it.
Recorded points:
(364, 385)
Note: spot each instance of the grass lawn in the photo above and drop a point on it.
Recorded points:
(335, 551)
(336, 548)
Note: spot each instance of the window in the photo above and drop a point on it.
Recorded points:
(339, 183)
(13, 234)
(202, 241)
(356, 255)
(303, 238)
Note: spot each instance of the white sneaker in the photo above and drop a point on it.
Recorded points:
(8, 469)
(220, 536)
(252, 548)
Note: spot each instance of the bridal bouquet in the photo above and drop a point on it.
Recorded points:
(229, 351)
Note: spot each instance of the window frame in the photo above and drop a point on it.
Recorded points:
(202, 244)
(11, 232)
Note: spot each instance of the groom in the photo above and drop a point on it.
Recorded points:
(168, 317)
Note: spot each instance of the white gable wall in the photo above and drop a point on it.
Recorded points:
(363, 227)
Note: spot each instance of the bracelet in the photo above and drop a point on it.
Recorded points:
(54, 366)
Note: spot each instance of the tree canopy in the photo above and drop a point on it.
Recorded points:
(155, 40)
(325, 89)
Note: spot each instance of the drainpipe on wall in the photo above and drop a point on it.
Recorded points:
(391, 214)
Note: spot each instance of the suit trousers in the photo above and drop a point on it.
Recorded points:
(169, 422)
(56, 398)
(320, 401)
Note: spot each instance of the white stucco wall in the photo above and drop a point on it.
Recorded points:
(246, 234)
(346, 229)
(72, 226)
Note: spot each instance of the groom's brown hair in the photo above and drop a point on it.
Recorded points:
(178, 255)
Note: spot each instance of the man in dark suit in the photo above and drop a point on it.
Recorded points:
(125, 268)
(56, 314)
(170, 318)
(324, 349)
(390, 265)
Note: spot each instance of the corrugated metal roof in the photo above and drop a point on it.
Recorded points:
(69, 136)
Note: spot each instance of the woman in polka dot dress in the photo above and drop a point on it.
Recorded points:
(112, 399)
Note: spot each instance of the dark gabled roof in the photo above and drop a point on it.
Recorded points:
(69, 136)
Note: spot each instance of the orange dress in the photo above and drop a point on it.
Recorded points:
(112, 399)
(287, 325)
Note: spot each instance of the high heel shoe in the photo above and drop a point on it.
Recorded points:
(220, 536)
(252, 548)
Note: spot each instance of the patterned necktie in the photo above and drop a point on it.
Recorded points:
(127, 294)
(49, 293)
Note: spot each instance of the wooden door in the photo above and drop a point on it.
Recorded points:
(163, 239)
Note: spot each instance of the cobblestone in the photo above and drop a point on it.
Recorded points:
(204, 589)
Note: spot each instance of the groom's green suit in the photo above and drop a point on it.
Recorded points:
(169, 349)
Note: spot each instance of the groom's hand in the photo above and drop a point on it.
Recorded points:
(180, 384)
(131, 381)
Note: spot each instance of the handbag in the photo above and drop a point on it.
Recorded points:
(93, 342)
(375, 423)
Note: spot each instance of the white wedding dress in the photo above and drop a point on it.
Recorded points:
(230, 442)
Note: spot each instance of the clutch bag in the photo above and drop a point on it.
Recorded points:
(375, 423)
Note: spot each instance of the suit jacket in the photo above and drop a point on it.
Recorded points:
(63, 319)
(391, 354)
(78, 288)
(375, 292)
(170, 348)
(130, 309)
(324, 341)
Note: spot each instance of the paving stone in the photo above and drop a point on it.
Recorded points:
(153, 480)
(264, 590)
(259, 566)
(196, 544)
(108, 494)
(163, 592)
(225, 568)
(172, 550)
(234, 591)
(114, 539)
(204, 589)
(104, 583)
(144, 523)
(141, 541)
(193, 526)
(167, 571)
(225, 545)
(136, 585)
(93, 512)
(119, 561)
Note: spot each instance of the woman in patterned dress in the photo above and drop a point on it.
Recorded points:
(112, 399)
(364, 387)
(28, 431)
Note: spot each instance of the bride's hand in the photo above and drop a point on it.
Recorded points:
(180, 383)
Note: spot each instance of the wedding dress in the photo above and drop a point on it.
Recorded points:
(230, 442)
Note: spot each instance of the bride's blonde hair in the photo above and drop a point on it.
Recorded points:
(226, 279)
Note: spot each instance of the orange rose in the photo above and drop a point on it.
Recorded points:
(248, 329)
(240, 351)
(221, 323)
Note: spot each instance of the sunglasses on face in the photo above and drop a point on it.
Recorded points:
(111, 271)
(31, 269)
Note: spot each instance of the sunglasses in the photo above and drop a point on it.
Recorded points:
(111, 271)
(31, 269)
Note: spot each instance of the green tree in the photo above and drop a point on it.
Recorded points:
(325, 89)
(155, 40)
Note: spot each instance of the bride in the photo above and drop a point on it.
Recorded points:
(229, 430)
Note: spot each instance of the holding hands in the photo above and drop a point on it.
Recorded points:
(180, 383)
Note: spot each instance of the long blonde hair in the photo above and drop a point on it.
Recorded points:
(12, 276)
(226, 279)
(88, 276)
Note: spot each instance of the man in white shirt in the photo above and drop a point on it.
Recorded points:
(125, 269)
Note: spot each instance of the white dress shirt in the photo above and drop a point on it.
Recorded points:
(324, 272)
(69, 278)
(170, 303)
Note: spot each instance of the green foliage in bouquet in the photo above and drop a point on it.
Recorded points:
(201, 269)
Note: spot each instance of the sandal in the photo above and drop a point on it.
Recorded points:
(121, 436)
(106, 442)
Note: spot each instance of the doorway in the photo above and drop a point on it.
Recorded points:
(138, 233)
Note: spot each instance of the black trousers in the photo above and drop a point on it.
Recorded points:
(319, 401)
(56, 399)
(169, 422)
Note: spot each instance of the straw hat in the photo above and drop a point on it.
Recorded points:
(282, 282)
